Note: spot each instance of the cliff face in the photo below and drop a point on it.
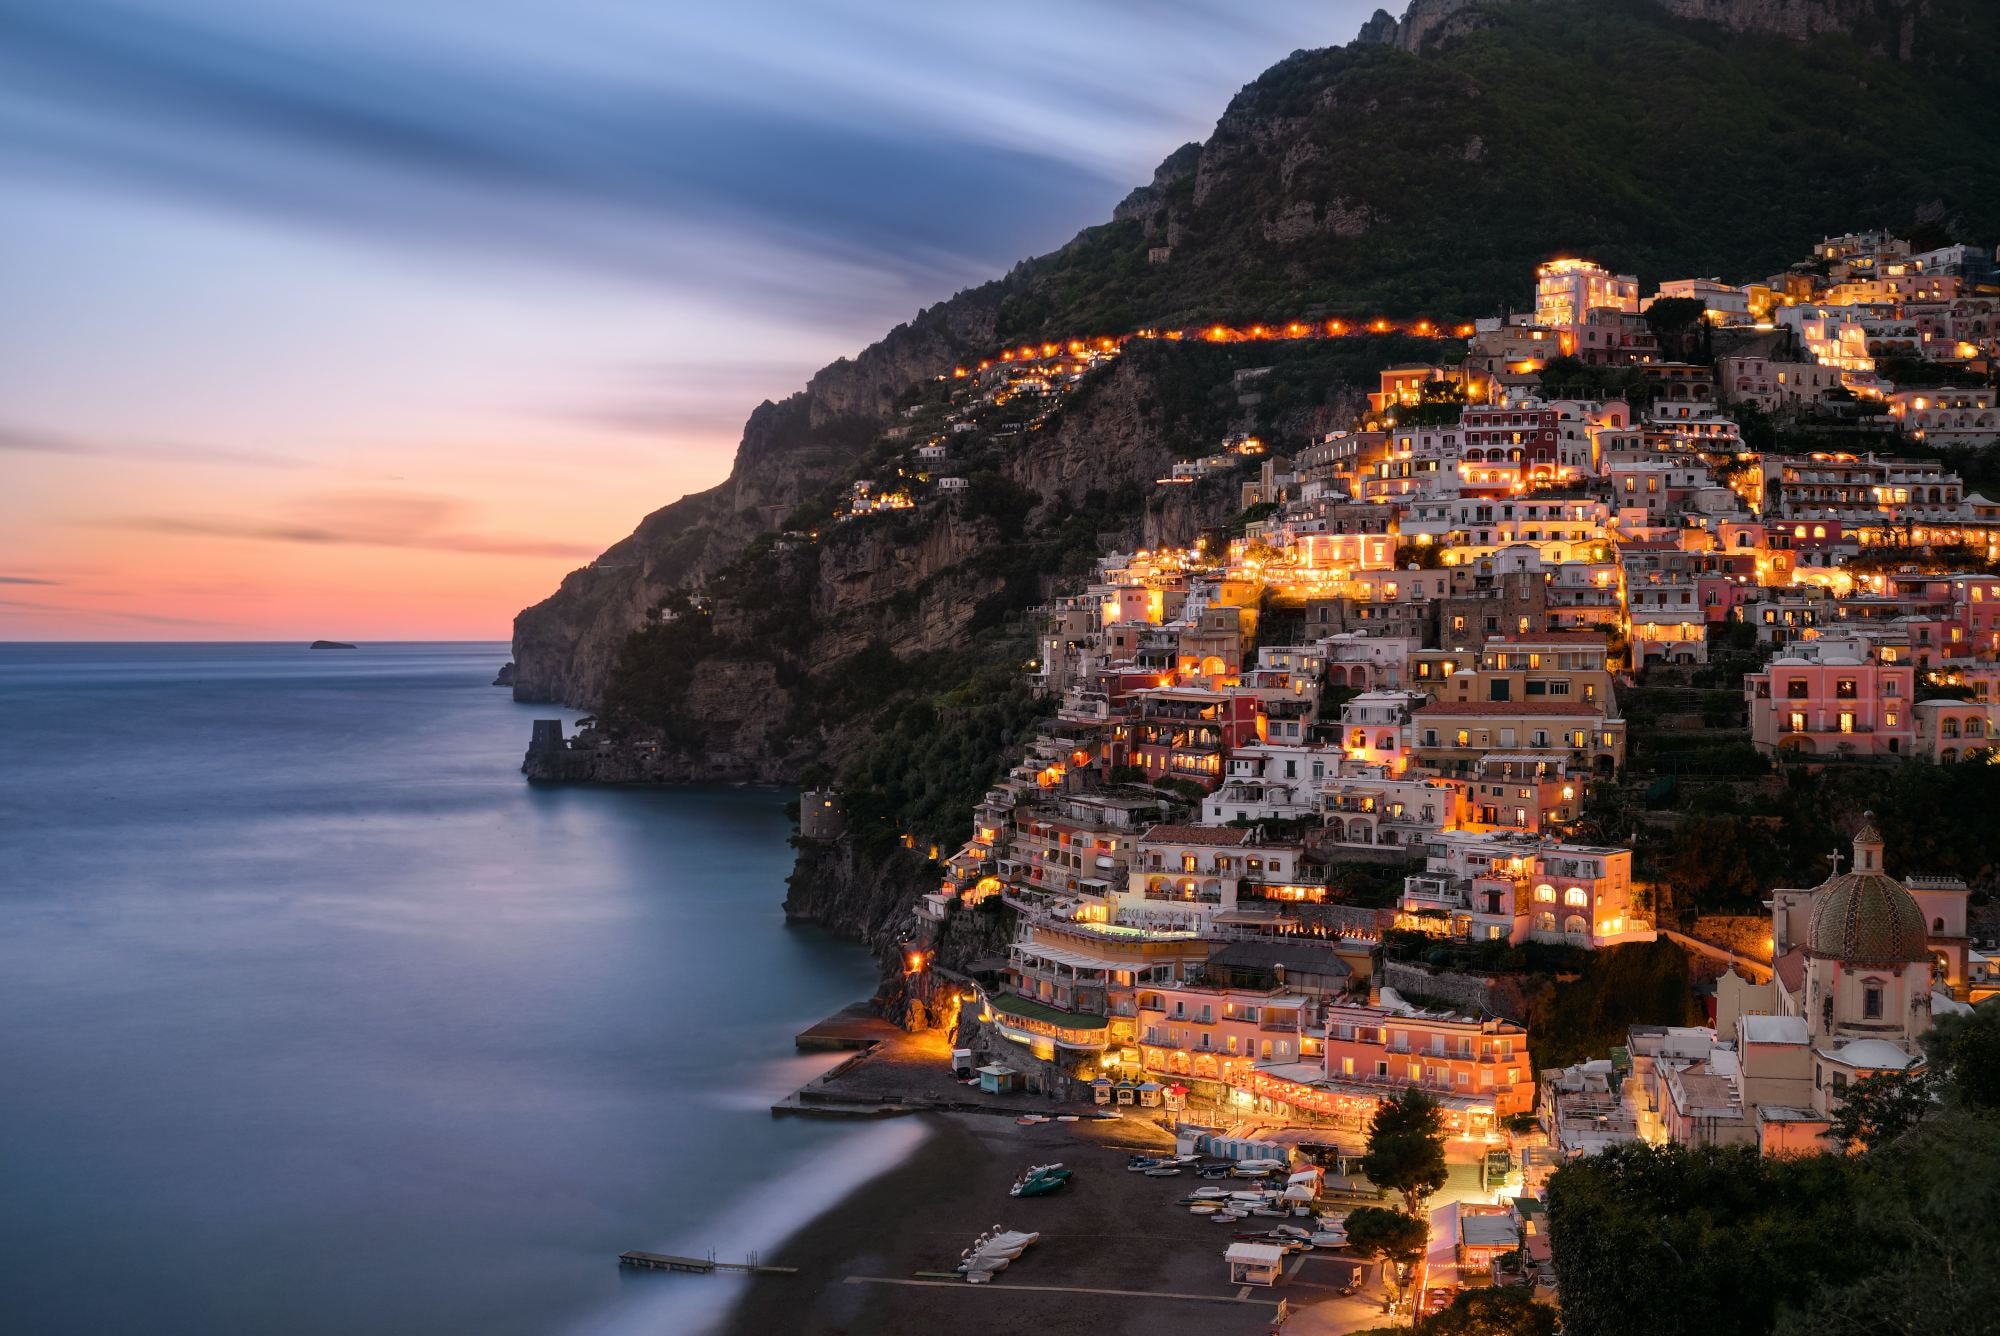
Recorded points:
(566, 645)
(1415, 173)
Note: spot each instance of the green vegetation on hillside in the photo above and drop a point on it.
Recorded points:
(1900, 1239)
(1426, 185)
(1731, 843)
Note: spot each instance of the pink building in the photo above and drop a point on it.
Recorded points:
(1218, 1034)
(1834, 696)
(1478, 1070)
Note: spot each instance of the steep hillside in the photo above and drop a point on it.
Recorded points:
(1413, 173)
(1373, 179)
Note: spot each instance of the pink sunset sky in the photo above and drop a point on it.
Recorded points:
(371, 321)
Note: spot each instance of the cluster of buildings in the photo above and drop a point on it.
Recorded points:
(1413, 653)
(1863, 964)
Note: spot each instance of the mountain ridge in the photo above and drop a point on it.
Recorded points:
(1372, 179)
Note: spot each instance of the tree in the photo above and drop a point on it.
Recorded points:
(1964, 1055)
(1877, 1109)
(1749, 1235)
(1508, 1310)
(1406, 1147)
(1377, 1231)
(1681, 326)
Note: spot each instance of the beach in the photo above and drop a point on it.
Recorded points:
(1115, 1255)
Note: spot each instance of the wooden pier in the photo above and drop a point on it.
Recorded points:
(700, 1266)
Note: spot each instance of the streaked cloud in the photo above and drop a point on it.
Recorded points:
(22, 440)
(368, 519)
(26, 580)
(104, 613)
(539, 260)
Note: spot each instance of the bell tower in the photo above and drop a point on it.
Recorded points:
(1868, 846)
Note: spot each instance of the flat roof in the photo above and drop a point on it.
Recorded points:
(1495, 1230)
(1009, 1005)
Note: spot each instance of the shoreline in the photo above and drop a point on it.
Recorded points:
(1115, 1254)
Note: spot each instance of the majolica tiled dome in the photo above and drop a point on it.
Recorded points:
(1867, 915)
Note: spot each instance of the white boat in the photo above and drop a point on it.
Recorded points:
(1162, 1171)
(1210, 1193)
(1227, 1217)
(1203, 1208)
(1065, 1117)
(1329, 1238)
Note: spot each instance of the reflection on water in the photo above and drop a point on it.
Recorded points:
(319, 1019)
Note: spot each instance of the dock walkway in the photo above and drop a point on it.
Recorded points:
(652, 1261)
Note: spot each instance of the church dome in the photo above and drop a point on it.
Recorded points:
(1867, 915)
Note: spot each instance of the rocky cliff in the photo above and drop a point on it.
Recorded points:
(1405, 174)
(750, 679)
(566, 645)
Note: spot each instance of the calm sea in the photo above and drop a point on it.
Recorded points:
(315, 1017)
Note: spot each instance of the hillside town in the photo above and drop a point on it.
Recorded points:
(1311, 789)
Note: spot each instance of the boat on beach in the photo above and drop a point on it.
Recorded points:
(991, 1253)
(1040, 1180)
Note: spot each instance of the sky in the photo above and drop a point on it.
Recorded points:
(364, 319)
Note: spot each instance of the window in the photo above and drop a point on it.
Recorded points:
(1576, 897)
(1796, 689)
(1844, 688)
(1795, 722)
(1871, 1000)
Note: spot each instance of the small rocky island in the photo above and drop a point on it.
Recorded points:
(329, 644)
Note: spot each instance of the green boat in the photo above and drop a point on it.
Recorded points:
(1040, 1181)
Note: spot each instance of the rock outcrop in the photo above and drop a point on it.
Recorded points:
(791, 452)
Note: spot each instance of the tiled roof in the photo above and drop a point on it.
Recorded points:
(1867, 917)
(1791, 969)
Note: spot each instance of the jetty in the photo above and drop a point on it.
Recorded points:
(700, 1266)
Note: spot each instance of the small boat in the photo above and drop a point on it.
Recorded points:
(1038, 1187)
(1329, 1238)
(1208, 1194)
(1226, 1217)
(1039, 1181)
(1203, 1208)
(1066, 1118)
(1030, 1119)
(1142, 1162)
(1270, 1212)
(1162, 1171)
